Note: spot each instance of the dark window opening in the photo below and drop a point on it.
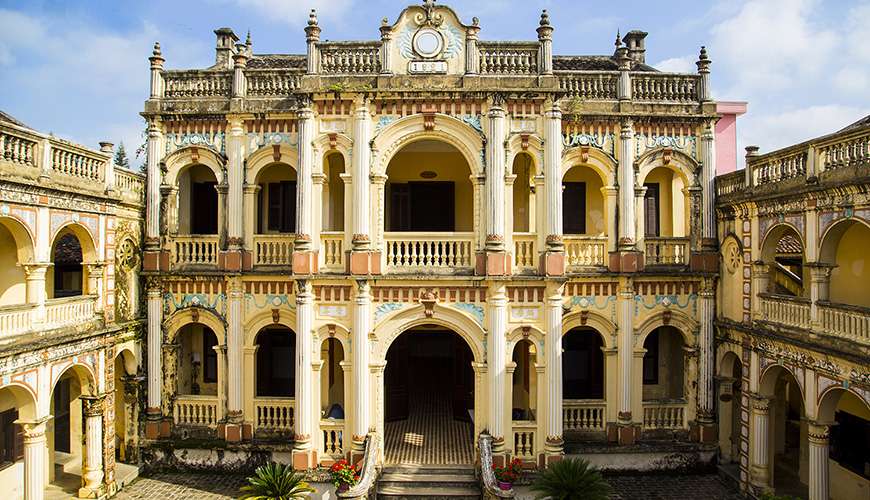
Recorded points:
(203, 208)
(651, 359)
(281, 208)
(651, 206)
(209, 356)
(68, 273)
(582, 365)
(850, 440)
(422, 206)
(62, 416)
(276, 356)
(574, 207)
(11, 438)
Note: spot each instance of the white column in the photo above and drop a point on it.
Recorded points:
(545, 38)
(360, 183)
(360, 349)
(495, 177)
(472, 55)
(553, 176)
(304, 329)
(625, 314)
(35, 279)
(154, 155)
(235, 339)
(92, 469)
(235, 182)
(759, 468)
(312, 36)
(625, 176)
(34, 458)
(304, 183)
(553, 349)
(155, 345)
(706, 367)
(497, 318)
(817, 435)
(386, 50)
(708, 181)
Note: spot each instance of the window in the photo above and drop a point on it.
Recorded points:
(11, 438)
(850, 440)
(582, 365)
(422, 206)
(651, 209)
(574, 207)
(281, 206)
(203, 208)
(209, 356)
(651, 359)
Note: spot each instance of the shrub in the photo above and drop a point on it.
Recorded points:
(571, 478)
(275, 481)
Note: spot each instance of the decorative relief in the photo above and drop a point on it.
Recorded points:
(602, 141)
(256, 141)
(383, 121)
(474, 310)
(667, 301)
(215, 141)
(473, 121)
(217, 305)
(269, 300)
(332, 311)
(386, 308)
(524, 313)
(687, 144)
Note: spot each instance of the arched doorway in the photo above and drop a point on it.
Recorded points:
(730, 394)
(787, 450)
(429, 398)
(583, 373)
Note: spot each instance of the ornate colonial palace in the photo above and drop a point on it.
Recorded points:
(434, 249)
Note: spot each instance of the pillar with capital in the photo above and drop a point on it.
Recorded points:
(363, 258)
(820, 282)
(232, 257)
(361, 372)
(627, 431)
(496, 360)
(496, 260)
(304, 249)
(706, 420)
(553, 257)
(35, 280)
(92, 468)
(759, 467)
(818, 435)
(155, 356)
(553, 349)
(153, 258)
(34, 457)
(628, 257)
(235, 429)
(304, 456)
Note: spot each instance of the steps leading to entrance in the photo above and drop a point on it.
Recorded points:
(453, 482)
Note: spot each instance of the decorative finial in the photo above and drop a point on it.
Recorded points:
(703, 61)
(475, 21)
(385, 22)
(248, 39)
(618, 42)
(312, 18)
(156, 51)
(545, 18)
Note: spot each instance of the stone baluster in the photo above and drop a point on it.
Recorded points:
(34, 457)
(545, 37)
(155, 356)
(302, 453)
(497, 318)
(92, 468)
(759, 467)
(817, 436)
(157, 60)
(553, 349)
(386, 47)
(312, 37)
(704, 90)
(109, 168)
(234, 372)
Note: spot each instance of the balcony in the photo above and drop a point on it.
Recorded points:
(16, 319)
(333, 438)
(585, 251)
(845, 321)
(196, 411)
(524, 438)
(583, 415)
(786, 310)
(411, 252)
(195, 250)
(274, 415)
(23, 318)
(273, 249)
(664, 415)
(332, 248)
(666, 251)
(525, 253)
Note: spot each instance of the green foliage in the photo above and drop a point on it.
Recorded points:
(121, 157)
(571, 479)
(275, 481)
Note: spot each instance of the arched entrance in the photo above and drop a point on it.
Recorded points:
(429, 398)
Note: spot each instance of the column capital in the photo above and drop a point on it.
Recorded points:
(818, 433)
(33, 430)
(92, 406)
(760, 404)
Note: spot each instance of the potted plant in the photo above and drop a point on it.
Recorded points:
(571, 479)
(344, 475)
(509, 474)
(275, 481)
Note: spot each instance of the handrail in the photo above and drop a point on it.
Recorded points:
(369, 474)
(487, 477)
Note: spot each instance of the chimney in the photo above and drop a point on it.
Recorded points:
(634, 40)
(225, 48)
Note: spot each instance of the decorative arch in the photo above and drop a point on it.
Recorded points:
(84, 373)
(188, 156)
(450, 318)
(675, 160)
(338, 332)
(768, 377)
(727, 357)
(526, 332)
(588, 319)
(602, 163)
(830, 398)
(534, 147)
(129, 359)
(22, 235)
(398, 134)
(286, 318)
(190, 315)
(83, 234)
(331, 143)
(267, 156)
(25, 398)
(830, 240)
(682, 322)
(773, 235)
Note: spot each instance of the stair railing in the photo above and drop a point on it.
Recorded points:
(368, 476)
(488, 485)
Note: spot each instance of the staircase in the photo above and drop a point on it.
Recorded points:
(450, 482)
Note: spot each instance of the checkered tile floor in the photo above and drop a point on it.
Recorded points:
(430, 435)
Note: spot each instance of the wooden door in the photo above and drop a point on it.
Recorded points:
(651, 210)
(574, 207)
(396, 381)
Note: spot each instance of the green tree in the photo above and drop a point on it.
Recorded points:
(571, 479)
(275, 481)
(121, 159)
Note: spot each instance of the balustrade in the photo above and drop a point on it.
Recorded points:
(666, 251)
(332, 246)
(786, 310)
(274, 414)
(349, 58)
(196, 410)
(16, 319)
(664, 415)
(524, 438)
(845, 152)
(508, 59)
(583, 415)
(846, 321)
(273, 249)
(589, 85)
(769, 170)
(77, 163)
(17, 149)
(427, 251)
(130, 184)
(733, 182)
(333, 437)
(195, 249)
(585, 251)
(197, 84)
(271, 83)
(664, 87)
(525, 253)
(69, 310)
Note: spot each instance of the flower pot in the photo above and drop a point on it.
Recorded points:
(343, 487)
(504, 486)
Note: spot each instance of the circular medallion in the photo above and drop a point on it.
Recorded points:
(428, 42)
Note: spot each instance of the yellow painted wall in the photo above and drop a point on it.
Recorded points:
(195, 173)
(731, 284)
(850, 280)
(595, 216)
(11, 477)
(450, 166)
(13, 288)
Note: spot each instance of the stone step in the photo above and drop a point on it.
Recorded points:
(428, 469)
(430, 493)
(428, 480)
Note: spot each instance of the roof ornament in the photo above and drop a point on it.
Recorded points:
(429, 18)
(618, 42)
(312, 18)
(545, 18)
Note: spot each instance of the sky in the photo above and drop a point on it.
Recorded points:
(79, 68)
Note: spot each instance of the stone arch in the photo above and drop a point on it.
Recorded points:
(727, 358)
(534, 148)
(22, 235)
(458, 322)
(679, 162)
(830, 398)
(287, 319)
(266, 156)
(772, 236)
(527, 332)
(26, 401)
(83, 373)
(409, 129)
(323, 147)
(337, 331)
(768, 377)
(605, 328)
(129, 359)
(830, 239)
(600, 162)
(182, 317)
(682, 322)
(188, 156)
(86, 240)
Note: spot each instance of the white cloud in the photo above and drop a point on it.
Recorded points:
(677, 65)
(776, 130)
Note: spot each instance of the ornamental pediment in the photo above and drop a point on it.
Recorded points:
(427, 39)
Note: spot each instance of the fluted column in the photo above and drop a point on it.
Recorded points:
(34, 458)
(35, 280)
(627, 223)
(312, 36)
(818, 435)
(154, 155)
(625, 315)
(92, 468)
(495, 226)
(472, 55)
(708, 188)
(553, 177)
(304, 330)
(706, 368)
(497, 319)
(553, 349)
(760, 439)
(304, 186)
(235, 181)
(361, 378)
(545, 38)
(360, 170)
(157, 61)
(155, 346)
(235, 339)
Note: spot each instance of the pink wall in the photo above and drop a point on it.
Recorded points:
(726, 135)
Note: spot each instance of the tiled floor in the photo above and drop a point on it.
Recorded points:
(430, 435)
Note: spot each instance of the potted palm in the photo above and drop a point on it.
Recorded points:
(571, 478)
(344, 475)
(509, 474)
(275, 481)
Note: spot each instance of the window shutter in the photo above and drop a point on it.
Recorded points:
(274, 212)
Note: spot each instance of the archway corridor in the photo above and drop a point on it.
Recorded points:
(429, 399)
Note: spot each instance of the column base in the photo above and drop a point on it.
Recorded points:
(305, 262)
(626, 261)
(493, 264)
(304, 459)
(364, 262)
(703, 432)
(552, 263)
(98, 493)
(155, 260)
(230, 260)
(627, 434)
(235, 433)
(704, 262)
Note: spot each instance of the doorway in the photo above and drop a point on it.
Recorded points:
(429, 398)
